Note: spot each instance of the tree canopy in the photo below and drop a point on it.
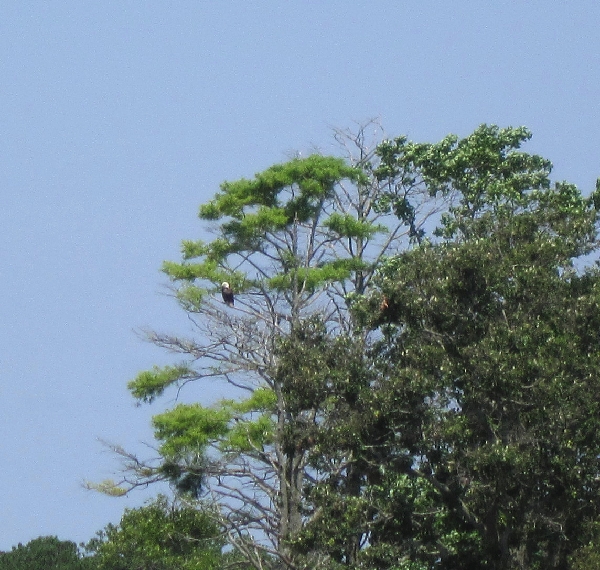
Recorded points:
(159, 536)
(482, 414)
(414, 341)
(45, 553)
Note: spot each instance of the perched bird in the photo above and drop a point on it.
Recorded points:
(227, 293)
(385, 304)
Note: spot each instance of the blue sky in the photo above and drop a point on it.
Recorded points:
(119, 118)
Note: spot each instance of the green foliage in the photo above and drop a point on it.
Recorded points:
(45, 553)
(313, 277)
(345, 225)
(483, 169)
(187, 271)
(277, 199)
(191, 297)
(159, 536)
(253, 428)
(494, 333)
(476, 444)
(314, 369)
(263, 399)
(314, 176)
(450, 420)
(249, 434)
(189, 428)
(150, 384)
(107, 487)
(210, 270)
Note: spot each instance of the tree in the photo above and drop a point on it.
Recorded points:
(428, 389)
(295, 243)
(44, 553)
(478, 438)
(159, 536)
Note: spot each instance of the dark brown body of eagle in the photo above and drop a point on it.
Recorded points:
(227, 293)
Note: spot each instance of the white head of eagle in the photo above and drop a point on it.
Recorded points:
(227, 293)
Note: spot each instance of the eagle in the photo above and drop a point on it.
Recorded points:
(227, 293)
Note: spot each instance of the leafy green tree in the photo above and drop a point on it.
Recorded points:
(159, 536)
(294, 243)
(478, 441)
(448, 420)
(45, 553)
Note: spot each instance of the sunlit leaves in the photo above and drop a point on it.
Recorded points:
(45, 553)
(160, 536)
(234, 426)
(311, 278)
(107, 487)
(346, 225)
(248, 435)
(189, 428)
(191, 297)
(263, 399)
(253, 426)
(183, 272)
(314, 177)
(150, 384)
(484, 169)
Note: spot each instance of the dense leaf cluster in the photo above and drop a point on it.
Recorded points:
(45, 553)
(159, 536)
(480, 443)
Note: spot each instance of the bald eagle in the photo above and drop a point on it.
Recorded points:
(227, 293)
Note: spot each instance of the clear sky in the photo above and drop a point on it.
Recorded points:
(119, 118)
